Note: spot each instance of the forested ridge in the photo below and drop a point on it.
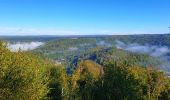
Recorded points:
(115, 75)
(70, 50)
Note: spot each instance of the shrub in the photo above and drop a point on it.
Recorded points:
(22, 76)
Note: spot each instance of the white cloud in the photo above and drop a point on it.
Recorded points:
(24, 46)
(160, 52)
(152, 50)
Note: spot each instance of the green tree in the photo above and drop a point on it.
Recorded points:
(58, 83)
(124, 82)
(83, 80)
(22, 76)
(119, 84)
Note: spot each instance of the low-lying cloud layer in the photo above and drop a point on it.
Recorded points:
(103, 43)
(161, 52)
(24, 46)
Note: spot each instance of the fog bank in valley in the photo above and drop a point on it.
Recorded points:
(24, 46)
(161, 52)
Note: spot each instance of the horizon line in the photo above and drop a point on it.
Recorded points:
(92, 34)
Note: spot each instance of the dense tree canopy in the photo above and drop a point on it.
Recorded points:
(26, 76)
(133, 83)
(83, 79)
(22, 75)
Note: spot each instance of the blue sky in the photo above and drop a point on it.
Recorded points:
(81, 17)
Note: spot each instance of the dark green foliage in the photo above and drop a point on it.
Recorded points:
(58, 83)
(83, 79)
(120, 81)
(124, 82)
(22, 76)
(119, 85)
(117, 75)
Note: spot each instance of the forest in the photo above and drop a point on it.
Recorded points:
(84, 68)
(84, 49)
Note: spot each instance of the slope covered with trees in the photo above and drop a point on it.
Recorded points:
(24, 76)
(70, 50)
(99, 73)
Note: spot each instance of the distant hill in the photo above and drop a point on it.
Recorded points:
(69, 50)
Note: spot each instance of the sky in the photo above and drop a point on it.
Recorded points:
(84, 17)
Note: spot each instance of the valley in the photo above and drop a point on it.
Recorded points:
(145, 50)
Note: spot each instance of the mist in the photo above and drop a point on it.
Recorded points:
(161, 52)
(103, 43)
(24, 46)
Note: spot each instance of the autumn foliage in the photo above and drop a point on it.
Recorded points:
(24, 76)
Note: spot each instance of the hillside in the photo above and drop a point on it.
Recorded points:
(152, 50)
(117, 75)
